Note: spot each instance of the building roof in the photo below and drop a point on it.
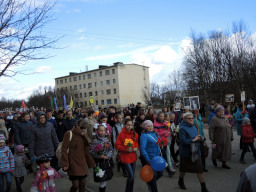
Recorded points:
(103, 67)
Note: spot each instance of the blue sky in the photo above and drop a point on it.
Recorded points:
(147, 32)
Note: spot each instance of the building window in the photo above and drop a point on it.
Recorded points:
(114, 91)
(65, 80)
(115, 101)
(96, 102)
(108, 91)
(81, 95)
(79, 77)
(107, 82)
(84, 94)
(96, 93)
(75, 87)
(61, 81)
(76, 95)
(102, 92)
(102, 102)
(75, 78)
(71, 87)
(83, 77)
(80, 86)
(101, 83)
(89, 76)
(58, 89)
(114, 81)
(100, 73)
(84, 85)
(95, 74)
(89, 85)
(85, 103)
(57, 82)
(113, 71)
(107, 72)
(108, 101)
(69, 79)
(95, 84)
(90, 93)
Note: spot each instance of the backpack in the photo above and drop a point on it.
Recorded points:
(58, 151)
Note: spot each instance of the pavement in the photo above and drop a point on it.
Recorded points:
(217, 179)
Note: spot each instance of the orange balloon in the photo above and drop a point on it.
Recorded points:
(146, 173)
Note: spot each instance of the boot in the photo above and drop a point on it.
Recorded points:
(214, 162)
(203, 188)
(181, 183)
(102, 189)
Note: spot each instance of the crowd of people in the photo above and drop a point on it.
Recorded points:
(66, 143)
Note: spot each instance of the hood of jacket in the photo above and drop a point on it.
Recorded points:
(186, 124)
(40, 113)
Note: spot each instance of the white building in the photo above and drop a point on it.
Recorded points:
(118, 85)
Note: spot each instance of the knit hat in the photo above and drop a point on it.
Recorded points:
(146, 123)
(2, 138)
(43, 159)
(245, 120)
(19, 149)
(219, 108)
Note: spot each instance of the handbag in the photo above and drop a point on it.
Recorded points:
(194, 150)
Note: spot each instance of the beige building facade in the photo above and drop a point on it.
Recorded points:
(117, 85)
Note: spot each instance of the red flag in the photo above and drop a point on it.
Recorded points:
(23, 104)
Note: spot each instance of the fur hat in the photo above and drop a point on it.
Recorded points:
(43, 159)
(245, 120)
(146, 123)
(19, 149)
(2, 138)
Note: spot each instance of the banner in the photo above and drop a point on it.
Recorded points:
(23, 104)
(65, 103)
(51, 100)
(71, 103)
(55, 103)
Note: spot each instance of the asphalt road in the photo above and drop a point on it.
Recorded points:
(217, 179)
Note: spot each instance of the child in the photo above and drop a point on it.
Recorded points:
(127, 145)
(20, 170)
(247, 138)
(6, 165)
(116, 130)
(103, 121)
(44, 178)
(102, 152)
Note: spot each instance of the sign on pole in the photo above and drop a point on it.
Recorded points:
(91, 99)
(243, 96)
(229, 98)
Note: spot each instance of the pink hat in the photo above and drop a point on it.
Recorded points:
(146, 123)
(19, 149)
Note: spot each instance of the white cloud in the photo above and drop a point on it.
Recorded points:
(77, 10)
(43, 69)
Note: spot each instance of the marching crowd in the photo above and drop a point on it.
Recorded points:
(66, 143)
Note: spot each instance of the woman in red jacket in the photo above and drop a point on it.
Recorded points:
(247, 138)
(127, 145)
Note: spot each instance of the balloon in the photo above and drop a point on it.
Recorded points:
(158, 163)
(146, 173)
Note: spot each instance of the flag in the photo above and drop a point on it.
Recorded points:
(51, 100)
(55, 103)
(23, 104)
(65, 104)
(71, 103)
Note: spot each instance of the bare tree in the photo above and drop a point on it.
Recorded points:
(21, 33)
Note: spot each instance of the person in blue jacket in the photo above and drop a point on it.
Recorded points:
(190, 162)
(149, 149)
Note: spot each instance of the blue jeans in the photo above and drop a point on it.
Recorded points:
(152, 183)
(8, 178)
(130, 168)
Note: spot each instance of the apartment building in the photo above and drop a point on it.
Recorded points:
(118, 85)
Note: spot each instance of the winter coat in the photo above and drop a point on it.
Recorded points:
(20, 162)
(22, 132)
(238, 117)
(138, 125)
(253, 119)
(2, 127)
(220, 133)
(117, 130)
(187, 133)
(108, 149)
(161, 128)
(67, 125)
(79, 159)
(212, 114)
(90, 125)
(111, 119)
(125, 156)
(248, 134)
(43, 139)
(53, 122)
(47, 182)
(200, 124)
(150, 117)
(247, 180)
(6, 160)
(148, 146)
